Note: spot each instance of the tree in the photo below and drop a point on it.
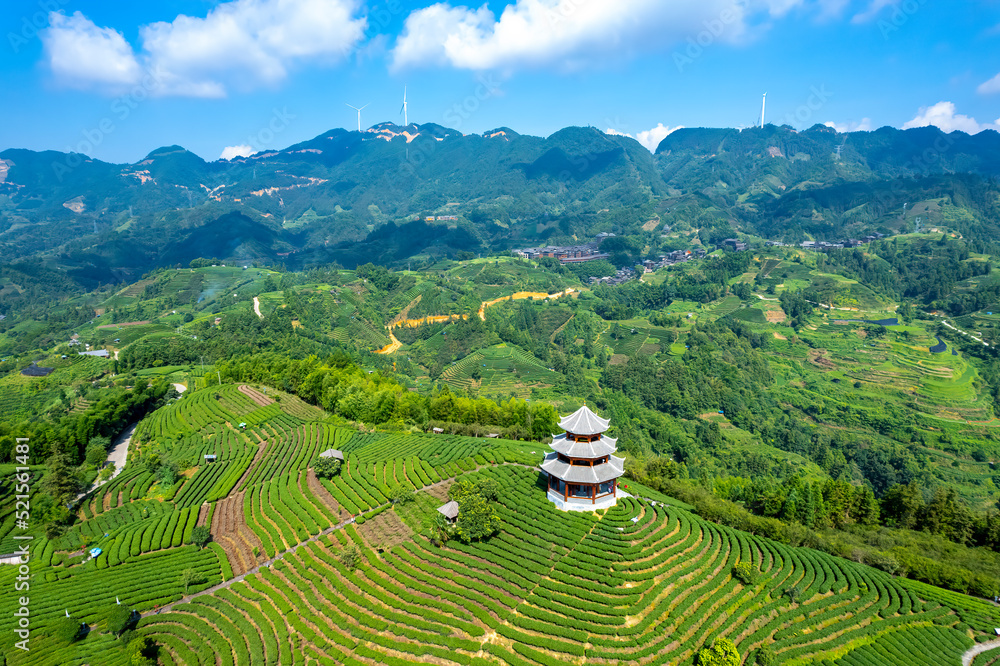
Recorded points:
(68, 629)
(97, 450)
(349, 557)
(477, 518)
(401, 495)
(119, 619)
(745, 573)
(190, 577)
(62, 482)
(722, 652)
(167, 474)
(489, 488)
(902, 505)
(765, 657)
(141, 651)
(200, 536)
(326, 468)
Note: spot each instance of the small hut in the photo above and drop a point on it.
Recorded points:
(333, 453)
(449, 511)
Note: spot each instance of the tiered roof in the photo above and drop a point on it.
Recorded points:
(605, 446)
(614, 468)
(584, 422)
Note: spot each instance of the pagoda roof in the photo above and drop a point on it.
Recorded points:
(584, 422)
(605, 446)
(583, 473)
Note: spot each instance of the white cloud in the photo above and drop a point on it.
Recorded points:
(651, 138)
(239, 44)
(942, 115)
(989, 87)
(830, 9)
(865, 125)
(83, 55)
(229, 152)
(571, 34)
(874, 7)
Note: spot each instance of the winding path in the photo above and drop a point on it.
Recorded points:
(256, 306)
(339, 526)
(973, 652)
(437, 319)
(965, 333)
(256, 569)
(117, 454)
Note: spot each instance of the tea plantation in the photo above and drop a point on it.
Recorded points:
(646, 582)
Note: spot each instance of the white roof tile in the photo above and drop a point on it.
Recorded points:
(605, 446)
(584, 422)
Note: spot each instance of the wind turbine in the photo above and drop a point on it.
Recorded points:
(359, 114)
(763, 103)
(406, 121)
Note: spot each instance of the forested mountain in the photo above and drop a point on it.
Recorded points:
(392, 194)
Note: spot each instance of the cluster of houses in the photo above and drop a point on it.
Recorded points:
(568, 254)
(74, 341)
(621, 276)
(675, 257)
(625, 274)
(824, 246)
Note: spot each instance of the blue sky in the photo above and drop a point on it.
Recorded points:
(117, 79)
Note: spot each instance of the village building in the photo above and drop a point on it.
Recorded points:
(582, 472)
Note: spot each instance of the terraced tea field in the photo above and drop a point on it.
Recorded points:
(503, 371)
(646, 582)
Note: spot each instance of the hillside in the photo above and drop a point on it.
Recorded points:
(302, 570)
(415, 194)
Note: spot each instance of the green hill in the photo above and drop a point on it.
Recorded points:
(378, 196)
(646, 581)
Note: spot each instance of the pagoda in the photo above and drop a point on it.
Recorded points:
(582, 473)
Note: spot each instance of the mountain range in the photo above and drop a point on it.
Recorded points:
(422, 192)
